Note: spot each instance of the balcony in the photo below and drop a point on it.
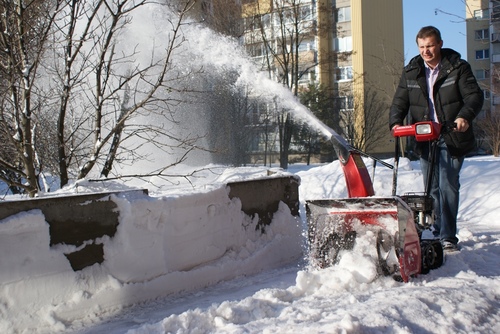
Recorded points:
(496, 100)
(495, 58)
(495, 12)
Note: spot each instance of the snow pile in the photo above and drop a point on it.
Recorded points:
(163, 245)
(463, 296)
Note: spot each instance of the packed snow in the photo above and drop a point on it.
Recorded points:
(262, 283)
(185, 259)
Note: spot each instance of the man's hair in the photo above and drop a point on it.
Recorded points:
(428, 32)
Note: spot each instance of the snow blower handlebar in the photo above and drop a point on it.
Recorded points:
(422, 131)
(358, 181)
(427, 131)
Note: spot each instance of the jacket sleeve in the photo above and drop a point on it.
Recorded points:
(472, 94)
(400, 103)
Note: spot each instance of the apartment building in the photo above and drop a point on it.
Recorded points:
(352, 47)
(376, 28)
(483, 54)
(483, 47)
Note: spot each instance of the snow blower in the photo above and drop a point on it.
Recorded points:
(397, 222)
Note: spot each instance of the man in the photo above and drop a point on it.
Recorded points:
(437, 85)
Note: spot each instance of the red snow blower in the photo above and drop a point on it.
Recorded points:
(396, 223)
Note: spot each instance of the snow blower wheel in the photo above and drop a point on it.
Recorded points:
(432, 255)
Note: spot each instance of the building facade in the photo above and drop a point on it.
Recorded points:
(483, 48)
(354, 48)
(483, 54)
(377, 61)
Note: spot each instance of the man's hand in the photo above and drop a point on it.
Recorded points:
(462, 125)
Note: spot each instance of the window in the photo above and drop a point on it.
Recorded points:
(481, 14)
(250, 23)
(306, 45)
(344, 73)
(307, 78)
(483, 54)
(287, 17)
(343, 44)
(266, 21)
(255, 50)
(487, 94)
(343, 14)
(305, 13)
(482, 74)
(481, 34)
(344, 102)
(495, 13)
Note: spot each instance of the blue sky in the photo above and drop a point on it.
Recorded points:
(450, 20)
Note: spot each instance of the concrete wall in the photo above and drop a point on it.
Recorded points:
(80, 220)
(88, 254)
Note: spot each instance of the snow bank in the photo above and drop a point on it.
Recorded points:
(462, 296)
(162, 245)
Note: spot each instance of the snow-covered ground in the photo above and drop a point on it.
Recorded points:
(463, 296)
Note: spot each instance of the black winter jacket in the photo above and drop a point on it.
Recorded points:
(456, 94)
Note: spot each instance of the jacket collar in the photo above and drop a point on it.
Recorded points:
(449, 59)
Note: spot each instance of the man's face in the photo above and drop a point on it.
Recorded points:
(430, 50)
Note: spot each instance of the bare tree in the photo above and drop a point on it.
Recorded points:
(283, 28)
(24, 30)
(487, 124)
(223, 16)
(112, 103)
(69, 57)
(490, 126)
(368, 120)
(229, 121)
(229, 108)
(317, 99)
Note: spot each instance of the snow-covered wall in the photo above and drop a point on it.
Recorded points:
(162, 245)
